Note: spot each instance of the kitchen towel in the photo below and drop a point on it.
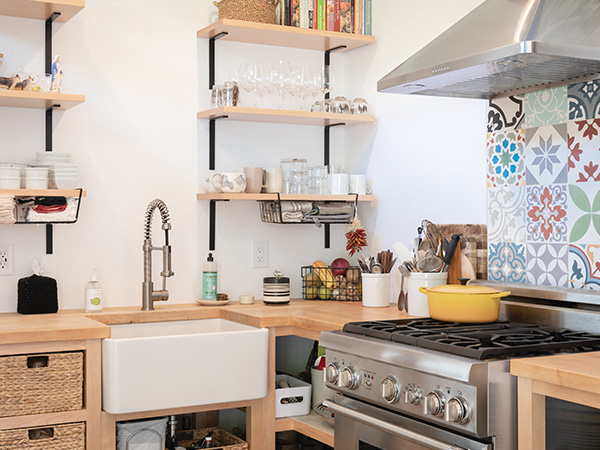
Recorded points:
(303, 207)
(7, 209)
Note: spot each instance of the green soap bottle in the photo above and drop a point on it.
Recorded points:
(209, 279)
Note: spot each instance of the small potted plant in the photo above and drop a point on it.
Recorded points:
(276, 289)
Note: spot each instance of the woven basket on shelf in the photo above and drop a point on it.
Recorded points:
(69, 436)
(35, 384)
(262, 11)
(221, 439)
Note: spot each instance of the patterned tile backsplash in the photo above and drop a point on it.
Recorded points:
(543, 187)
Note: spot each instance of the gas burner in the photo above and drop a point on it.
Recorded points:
(479, 341)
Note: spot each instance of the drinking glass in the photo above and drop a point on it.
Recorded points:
(286, 168)
(321, 180)
(298, 177)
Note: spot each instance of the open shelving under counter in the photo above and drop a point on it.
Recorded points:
(312, 425)
(41, 9)
(39, 100)
(283, 36)
(244, 114)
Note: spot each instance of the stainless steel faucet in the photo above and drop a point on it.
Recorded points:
(149, 295)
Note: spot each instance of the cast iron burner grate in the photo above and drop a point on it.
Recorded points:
(478, 341)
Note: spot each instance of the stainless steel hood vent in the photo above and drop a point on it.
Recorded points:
(505, 46)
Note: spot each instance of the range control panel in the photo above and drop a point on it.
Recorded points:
(435, 399)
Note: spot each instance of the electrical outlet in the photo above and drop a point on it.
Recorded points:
(260, 254)
(6, 259)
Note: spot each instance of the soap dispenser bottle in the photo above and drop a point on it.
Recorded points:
(209, 279)
(93, 294)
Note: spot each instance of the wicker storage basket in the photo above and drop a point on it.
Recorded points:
(35, 384)
(221, 439)
(262, 11)
(70, 436)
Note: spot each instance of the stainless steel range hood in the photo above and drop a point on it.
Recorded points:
(505, 46)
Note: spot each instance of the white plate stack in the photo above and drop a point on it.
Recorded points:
(62, 174)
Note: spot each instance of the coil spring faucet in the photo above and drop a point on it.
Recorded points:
(149, 295)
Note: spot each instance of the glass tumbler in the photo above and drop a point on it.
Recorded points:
(321, 180)
(286, 169)
(299, 178)
(359, 106)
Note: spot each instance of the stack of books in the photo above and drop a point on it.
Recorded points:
(346, 16)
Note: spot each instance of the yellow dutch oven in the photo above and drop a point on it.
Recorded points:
(467, 304)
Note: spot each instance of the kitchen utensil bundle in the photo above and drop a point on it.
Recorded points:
(382, 263)
(432, 252)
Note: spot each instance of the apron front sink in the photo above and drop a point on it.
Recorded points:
(162, 365)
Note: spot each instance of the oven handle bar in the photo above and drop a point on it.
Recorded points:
(387, 427)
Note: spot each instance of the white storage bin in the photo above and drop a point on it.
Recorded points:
(292, 401)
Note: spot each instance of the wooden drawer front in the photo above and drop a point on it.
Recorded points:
(42, 383)
(70, 436)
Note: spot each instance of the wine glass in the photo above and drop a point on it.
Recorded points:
(279, 73)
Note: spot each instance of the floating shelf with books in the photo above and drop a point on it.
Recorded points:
(287, 197)
(41, 9)
(243, 114)
(283, 36)
(39, 100)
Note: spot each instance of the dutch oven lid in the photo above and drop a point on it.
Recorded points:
(463, 290)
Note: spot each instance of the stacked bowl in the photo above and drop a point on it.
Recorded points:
(62, 174)
(10, 176)
(36, 178)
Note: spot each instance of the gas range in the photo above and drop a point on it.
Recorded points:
(454, 377)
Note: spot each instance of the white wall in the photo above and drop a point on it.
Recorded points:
(136, 138)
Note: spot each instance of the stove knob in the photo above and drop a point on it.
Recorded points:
(413, 396)
(348, 378)
(331, 373)
(390, 390)
(435, 402)
(457, 410)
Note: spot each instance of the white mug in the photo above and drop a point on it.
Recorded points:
(274, 180)
(233, 182)
(338, 183)
(213, 183)
(358, 184)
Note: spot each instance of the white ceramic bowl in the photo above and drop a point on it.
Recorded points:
(10, 183)
(62, 183)
(10, 172)
(36, 183)
(36, 172)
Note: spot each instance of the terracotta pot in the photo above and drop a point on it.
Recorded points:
(466, 304)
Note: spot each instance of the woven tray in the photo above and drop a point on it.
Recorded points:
(35, 384)
(221, 439)
(70, 436)
(262, 11)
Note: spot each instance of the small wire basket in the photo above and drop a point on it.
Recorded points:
(331, 284)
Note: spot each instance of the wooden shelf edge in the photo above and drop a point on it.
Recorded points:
(43, 192)
(312, 425)
(283, 36)
(39, 100)
(37, 420)
(239, 113)
(41, 9)
(288, 197)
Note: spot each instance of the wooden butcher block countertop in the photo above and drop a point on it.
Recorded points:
(580, 371)
(299, 317)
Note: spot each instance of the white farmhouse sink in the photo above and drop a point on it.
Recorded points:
(148, 366)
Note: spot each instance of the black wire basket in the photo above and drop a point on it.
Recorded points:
(331, 284)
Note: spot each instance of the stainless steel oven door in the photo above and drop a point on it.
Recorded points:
(360, 426)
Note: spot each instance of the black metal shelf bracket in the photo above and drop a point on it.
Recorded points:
(330, 51)
(48, 67)
(48, 52)
(212, 223)
(211, 58)
(327, 140)
(212, 141)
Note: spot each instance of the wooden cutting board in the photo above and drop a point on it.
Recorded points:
(473, 247)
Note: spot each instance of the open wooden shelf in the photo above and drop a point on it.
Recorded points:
(294, 197)
(243, 114)
(312, 425)
(41, 9)
(43, 192)
(39, 100)
(283, 36)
